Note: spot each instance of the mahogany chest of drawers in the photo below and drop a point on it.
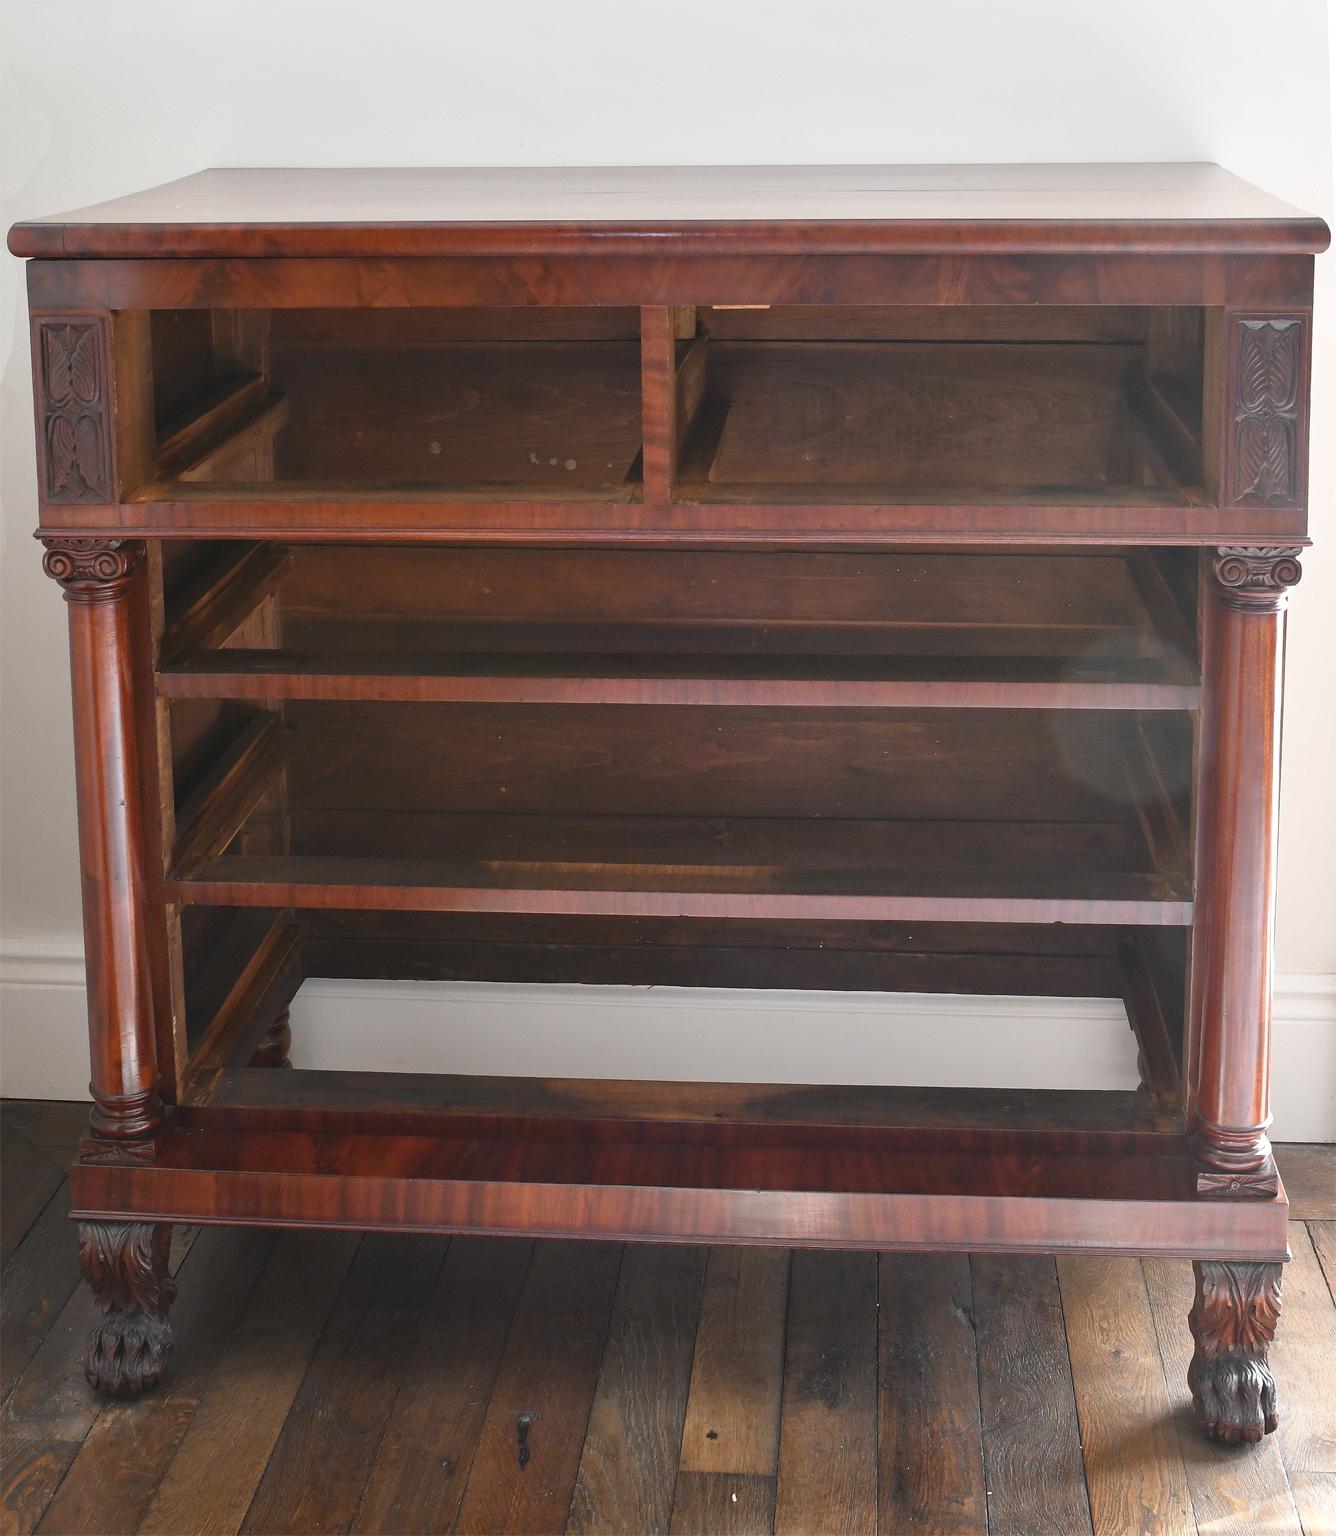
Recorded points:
(844, 578)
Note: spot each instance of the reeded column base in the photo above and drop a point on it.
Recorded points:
(1235, 1164)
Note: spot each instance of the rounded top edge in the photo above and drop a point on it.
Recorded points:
(53, 240)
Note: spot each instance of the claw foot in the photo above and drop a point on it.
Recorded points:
(125, 1264)
(1233, 1321)
(127, 1354)
(1234, 1398)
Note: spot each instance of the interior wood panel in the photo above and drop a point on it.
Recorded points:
(549, 415)
(1018, 602)
(911, 957)
(919, 414)
(977, 765)
(907, 322)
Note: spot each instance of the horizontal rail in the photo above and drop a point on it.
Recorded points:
(323, 515)
(861, 682)
(409, 885)
(331, 1100)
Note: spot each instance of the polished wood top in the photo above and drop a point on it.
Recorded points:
(676, 210)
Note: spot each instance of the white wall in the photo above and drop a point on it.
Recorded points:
(103, 98)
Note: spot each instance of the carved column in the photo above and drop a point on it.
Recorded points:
(103, 583)
(1229, 1048)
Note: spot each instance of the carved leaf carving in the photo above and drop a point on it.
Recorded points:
(83, 366)
(71, 364)
(1269, 366)
(57, 365)
(1237, 1307)
(1266, 421)
(76, 429)
(62, 450)
(125, 1263)
(88, 451)
(1265, 453)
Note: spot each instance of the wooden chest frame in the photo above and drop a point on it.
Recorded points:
(1209, 520)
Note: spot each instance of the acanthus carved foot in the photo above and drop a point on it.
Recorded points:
(125, 1264)
(1233, 1321)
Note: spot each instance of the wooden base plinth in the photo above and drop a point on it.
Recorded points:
(744, 1165)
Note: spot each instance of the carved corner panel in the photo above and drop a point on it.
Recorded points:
(72, 377)
(1268, 375)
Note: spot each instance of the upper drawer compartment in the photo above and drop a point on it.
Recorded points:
(953, 405)
(1074, 412)
(490, 402)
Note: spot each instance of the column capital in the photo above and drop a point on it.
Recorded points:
(92, 570)
(1256, 578)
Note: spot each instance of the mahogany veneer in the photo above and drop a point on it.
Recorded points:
(861, 578)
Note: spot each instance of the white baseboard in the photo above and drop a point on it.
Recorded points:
(709, 1034)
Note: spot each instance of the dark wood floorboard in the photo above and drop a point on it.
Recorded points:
(35, 1284)
(422, 1468)
(737, 1376)
(1309, 1172)
(930, 1442)
(34, 1179)
(127, 1451)
(333, 1431)
(212, 1478)
(326, 1382)
(828, 1418)
(1031, 1444)
(528, 1457)
(53, 1126)
(723, 1504)
(1134, 1472)
(628, 1468)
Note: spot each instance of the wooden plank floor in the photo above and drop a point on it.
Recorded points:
(329, 1383)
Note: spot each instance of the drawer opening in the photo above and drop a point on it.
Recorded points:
(973, 815)
(838, 405)
(580, 998)
(541, 402)
(1107, 628)
(950, 406)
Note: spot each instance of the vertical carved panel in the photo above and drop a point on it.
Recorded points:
(74, 409)
(1267, 449)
